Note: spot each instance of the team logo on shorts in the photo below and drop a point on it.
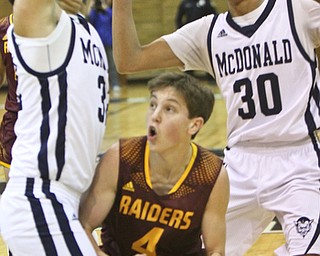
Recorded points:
(303, 225)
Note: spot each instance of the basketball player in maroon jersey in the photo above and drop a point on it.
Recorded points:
(157, 194)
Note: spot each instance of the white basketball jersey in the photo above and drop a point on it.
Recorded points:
(267, 71)
(63, 93)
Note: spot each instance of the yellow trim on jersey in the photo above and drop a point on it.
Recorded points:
(11, 18)
(146, 165)
(186, 172)
(5, 164)
(183, 176)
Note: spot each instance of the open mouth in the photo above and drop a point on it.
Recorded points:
(152, 131)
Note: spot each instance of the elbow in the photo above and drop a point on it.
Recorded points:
(125, 67)
(121, 62)
(127, 61)
(122, 68)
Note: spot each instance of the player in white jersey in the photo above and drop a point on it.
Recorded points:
(262, 55)
(63, 88)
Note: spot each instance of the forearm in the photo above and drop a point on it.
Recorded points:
(126, 45)
(94, 243)
(215, 243)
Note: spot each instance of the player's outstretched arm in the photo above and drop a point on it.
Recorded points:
(129, 54)
(214, 218)
(35, 18)
(97, 202)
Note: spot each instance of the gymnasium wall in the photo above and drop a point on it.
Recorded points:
(5, 8)
(157, 17)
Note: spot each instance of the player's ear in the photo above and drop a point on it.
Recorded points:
(195, 125)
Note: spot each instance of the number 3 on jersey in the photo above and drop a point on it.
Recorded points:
(102, 110)
(147, 243)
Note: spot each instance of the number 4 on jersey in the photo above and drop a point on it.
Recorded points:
(147, 243)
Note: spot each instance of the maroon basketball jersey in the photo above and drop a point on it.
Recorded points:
(7, 135)
(11, 101)
(142, 221)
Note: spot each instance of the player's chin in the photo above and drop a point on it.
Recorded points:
(151, 139)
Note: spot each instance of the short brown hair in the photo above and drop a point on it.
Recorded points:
(198, 97)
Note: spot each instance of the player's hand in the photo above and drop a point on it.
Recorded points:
(71, 6)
